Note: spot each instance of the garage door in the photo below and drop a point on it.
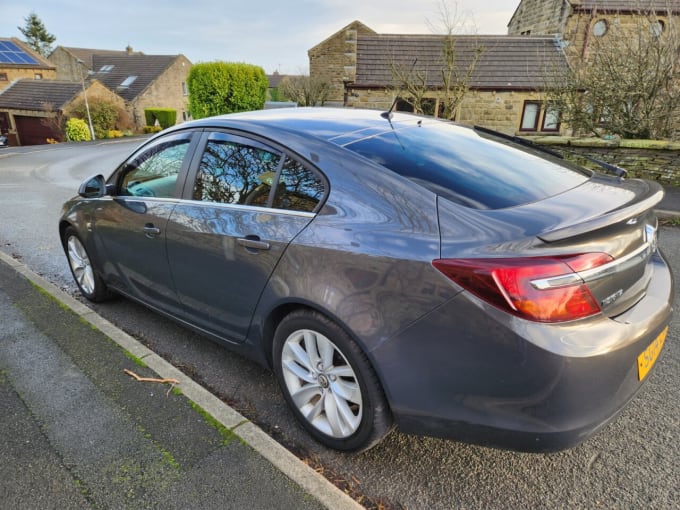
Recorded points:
(31, 130)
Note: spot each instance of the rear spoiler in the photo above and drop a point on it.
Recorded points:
(642, 205)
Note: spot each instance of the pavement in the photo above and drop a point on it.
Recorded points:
(79, 432)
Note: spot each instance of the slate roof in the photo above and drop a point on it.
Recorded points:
(32, 95)
(626, 5)
(506, 62)
(145, 67)
(86, 54)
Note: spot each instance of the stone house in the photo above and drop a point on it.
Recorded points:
(32, 110)
(579, 22)
(585, 26)
(504, 87)
(334, 60)
(142, 81)
(18, 61)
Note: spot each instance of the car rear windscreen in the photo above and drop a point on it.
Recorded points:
(475, 169)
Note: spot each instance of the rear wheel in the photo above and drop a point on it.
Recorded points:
(89, 282)
(329, 383)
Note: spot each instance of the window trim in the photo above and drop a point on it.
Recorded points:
(558, 116)
(202, 142)
(530, 102)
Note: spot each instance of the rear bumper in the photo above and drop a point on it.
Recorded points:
(470, 372)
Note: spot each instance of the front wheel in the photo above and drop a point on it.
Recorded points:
(89, 282)
(329, 383)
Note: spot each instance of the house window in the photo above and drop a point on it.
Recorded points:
(551, 119)
(3, 77)
(106, 69)
(600, 28)
(185, 90)
(530, 115)
(38, 76)
(656, 28)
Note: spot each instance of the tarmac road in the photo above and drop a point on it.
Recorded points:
(632, 463)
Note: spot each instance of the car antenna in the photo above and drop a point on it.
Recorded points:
(388, 114)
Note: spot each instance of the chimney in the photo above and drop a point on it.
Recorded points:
(128, 49)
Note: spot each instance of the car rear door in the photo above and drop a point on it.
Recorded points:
(131, 224)
(244, 204)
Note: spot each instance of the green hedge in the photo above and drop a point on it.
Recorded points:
(225, 87)
(166, 117)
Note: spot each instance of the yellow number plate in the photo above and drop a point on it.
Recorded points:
(648, 357)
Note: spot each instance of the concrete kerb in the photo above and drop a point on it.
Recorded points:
(300, 473)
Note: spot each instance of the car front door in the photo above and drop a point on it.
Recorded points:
(245, 204)
(131, 224)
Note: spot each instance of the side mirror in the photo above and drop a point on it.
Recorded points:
(93, 187)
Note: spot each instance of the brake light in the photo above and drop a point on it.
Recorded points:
(542, 289)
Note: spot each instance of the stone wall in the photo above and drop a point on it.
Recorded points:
(164, 92)
(655, 160)
(26, 73)
(334, 60)
(539, 17)
(499, 110)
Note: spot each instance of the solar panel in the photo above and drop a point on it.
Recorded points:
(10, 53)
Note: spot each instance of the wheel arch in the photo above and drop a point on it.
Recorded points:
(281, 310)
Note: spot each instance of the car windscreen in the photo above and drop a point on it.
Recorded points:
(477, 170)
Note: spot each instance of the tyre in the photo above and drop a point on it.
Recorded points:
(89, 282)
(329, 383)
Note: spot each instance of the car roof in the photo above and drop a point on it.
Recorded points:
(338, 125)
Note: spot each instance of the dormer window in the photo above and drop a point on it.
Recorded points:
(128, 81)
(106, 69)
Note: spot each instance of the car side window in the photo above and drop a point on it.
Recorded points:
(298, 189)
(154, 172)
(232, 171)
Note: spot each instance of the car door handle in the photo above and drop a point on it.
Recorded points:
(253, 243)
(150, 231)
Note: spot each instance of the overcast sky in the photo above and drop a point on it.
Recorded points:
(274, 34)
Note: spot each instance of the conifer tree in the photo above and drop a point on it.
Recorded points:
(37, 36)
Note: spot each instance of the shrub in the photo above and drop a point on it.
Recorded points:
(222, 87)
(152, 129)
(114, 133)
(104, 116)
(77, 130)
(166, 117)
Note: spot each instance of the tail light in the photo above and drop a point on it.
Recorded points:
(542, 289)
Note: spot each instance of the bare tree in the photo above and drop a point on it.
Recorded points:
(304, 90)
(626, 82)
(452, 73)
(55, 121)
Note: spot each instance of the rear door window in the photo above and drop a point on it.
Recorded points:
(238, 170)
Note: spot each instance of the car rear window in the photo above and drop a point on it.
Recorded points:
(477, 170)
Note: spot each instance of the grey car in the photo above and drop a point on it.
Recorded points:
(391, 269)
